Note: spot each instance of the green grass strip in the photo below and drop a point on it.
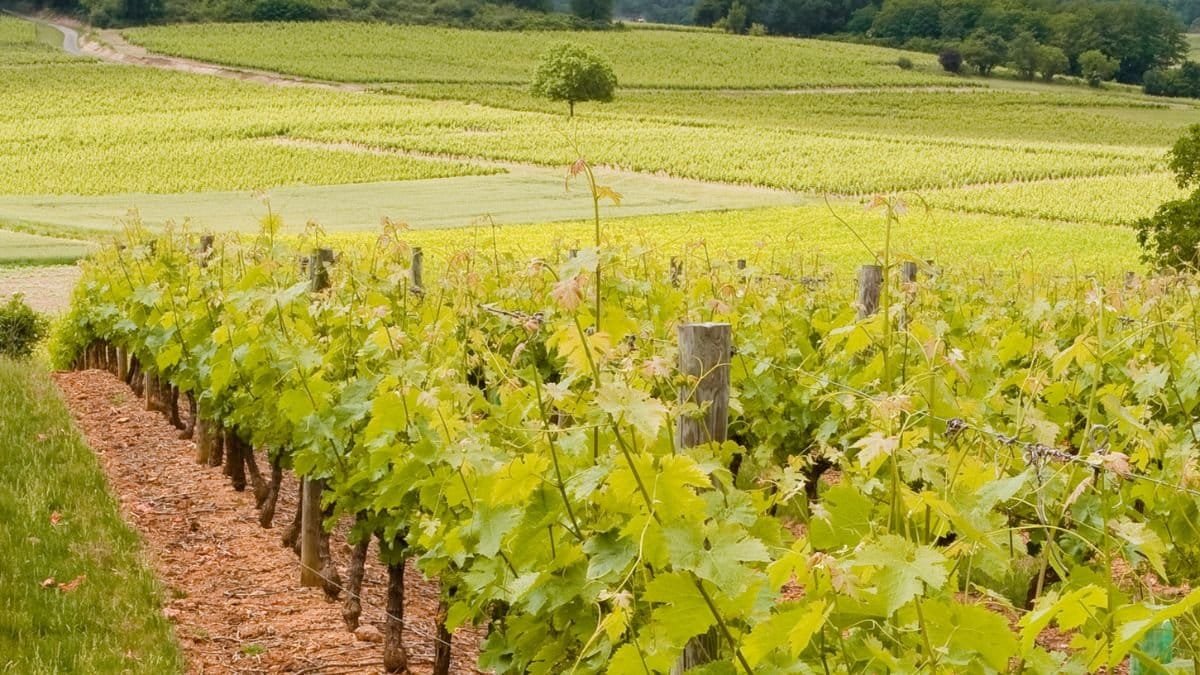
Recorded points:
(111, 622)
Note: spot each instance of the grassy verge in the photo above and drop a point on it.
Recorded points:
(110, 621)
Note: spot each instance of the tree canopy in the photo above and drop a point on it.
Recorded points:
(573, 73)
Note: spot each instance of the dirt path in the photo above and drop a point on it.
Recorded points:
(232, 591)
(46, 289)
(109, 45)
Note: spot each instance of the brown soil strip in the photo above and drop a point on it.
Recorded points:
(232, 592)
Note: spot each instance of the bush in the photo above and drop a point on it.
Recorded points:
(1051, 61)
(951, 60)
(1181, 82)
(905, 63)
(1096, 67)
(1170, 239)
(21, 328)
(286, 10)
(757, 29)
(984, 51)
(1023, 53)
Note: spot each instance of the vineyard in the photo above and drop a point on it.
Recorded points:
(629, 458)
(826, 118)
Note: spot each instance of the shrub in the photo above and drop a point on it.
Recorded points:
(757, 29)
(21, 328)
(951, 60)
(1023, 53)
(1051, 61)
(905, 63)
(1183, 81)
(1170, 239)
(286, 10)
(1096, 67)
(984, 51)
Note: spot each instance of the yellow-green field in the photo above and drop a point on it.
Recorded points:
(449, 115)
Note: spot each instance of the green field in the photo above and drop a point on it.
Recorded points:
(111, 621)
(451, 134)
(17, 248)
(375, 53)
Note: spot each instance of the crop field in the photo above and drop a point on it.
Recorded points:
(24, 248)
(351, 52)
(871, 127)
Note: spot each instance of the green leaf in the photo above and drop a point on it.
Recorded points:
(843, 518)
(632, 406)
(682, 612)
(491, 524)
(1071, 610)
(1141, 541)
(902, 569)
(794, 628)
(608, 553)
(969, 633)
(168, 356)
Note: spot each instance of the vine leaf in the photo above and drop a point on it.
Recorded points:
(793, 628)
(902, 569)
(632, 406)
(683, 613)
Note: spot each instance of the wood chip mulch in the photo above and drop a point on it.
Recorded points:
(231, 591)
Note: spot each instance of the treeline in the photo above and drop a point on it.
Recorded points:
(486, 14)
(1137, 35)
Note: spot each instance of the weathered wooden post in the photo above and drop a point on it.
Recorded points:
(870, 281)
(741, 263)
(704, 355)
(908, 272)
(311, 513)
(418, 270)
(676, 271)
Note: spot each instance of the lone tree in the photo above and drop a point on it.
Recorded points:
(574, 73)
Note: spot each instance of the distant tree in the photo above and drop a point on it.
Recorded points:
(1182, 81)
(574, 73)
(139, 11)
(1170, 239)
(1184, 159)
(984, 51)
(951, 60)
(1051, 61)
(708, 12)
(593, 10)
(1023, 55)
(903, 20)
(286, 10)
(1096, 67)
(737, 20)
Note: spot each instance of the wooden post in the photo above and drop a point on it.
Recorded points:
(908, 272)
(741, 263)
(318, 269)
(870, 281)
(310, 533)
(311, 513)
(418, 269)
(676, 271)
(206, 244)
(122, 364)
(704, 355)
